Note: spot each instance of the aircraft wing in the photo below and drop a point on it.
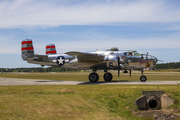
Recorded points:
(86, 57)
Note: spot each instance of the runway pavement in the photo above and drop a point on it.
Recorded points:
(15, 81)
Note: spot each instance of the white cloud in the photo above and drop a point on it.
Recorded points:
(12, 45)
(31, 13)
(165, 42)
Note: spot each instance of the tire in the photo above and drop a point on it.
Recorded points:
(143, 78)
(93, 77)
(107, 76)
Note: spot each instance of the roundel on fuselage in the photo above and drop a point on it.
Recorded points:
(60, 60)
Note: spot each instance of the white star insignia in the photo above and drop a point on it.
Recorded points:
(61, 60)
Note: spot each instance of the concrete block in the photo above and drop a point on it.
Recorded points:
(153, 100)
(152, 93)
(166, 101)
(141, 103)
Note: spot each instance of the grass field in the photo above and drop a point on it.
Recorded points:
(83, 76)
(88, 102)
(80, 102)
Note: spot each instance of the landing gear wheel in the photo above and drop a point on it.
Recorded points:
(107, 76)
(143, 78)
(93, 77)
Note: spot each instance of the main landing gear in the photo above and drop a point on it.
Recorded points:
(94, 77)
(143, 78)
(107, 76)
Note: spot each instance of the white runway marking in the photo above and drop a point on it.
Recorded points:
(15, 81)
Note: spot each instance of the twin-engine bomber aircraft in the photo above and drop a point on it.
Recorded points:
(111, 59)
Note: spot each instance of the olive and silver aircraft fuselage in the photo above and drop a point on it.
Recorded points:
(111, 59)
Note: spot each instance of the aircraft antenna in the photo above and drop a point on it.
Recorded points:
(147, 56)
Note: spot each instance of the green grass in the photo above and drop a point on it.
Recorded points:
(80, 101)
(83, 76)
(99, 102)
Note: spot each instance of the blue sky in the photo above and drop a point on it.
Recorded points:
(86, 25)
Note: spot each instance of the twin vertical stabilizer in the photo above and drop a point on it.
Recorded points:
(27, 49)
(50, 49)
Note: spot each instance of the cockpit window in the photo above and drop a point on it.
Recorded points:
(130, 54)
(135, 52)
(125, 53)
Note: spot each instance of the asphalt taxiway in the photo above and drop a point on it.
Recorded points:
(15, 81)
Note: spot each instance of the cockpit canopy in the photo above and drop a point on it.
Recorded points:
(132, 53)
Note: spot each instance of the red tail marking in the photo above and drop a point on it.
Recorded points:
(53, 52)
(47, 47)
(29, 42)
(47, 52)
(30, 48)
(53, 46)
(23, 49)
(23, 42)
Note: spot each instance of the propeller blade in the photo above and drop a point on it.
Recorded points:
(118, 67)
(118, 61)
(160, 60)
(118, 73)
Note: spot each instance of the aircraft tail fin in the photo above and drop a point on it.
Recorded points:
(50, 49)
(27, 49)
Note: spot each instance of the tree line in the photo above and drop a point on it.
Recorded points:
(173, 65)
(59, 69)
(39, 69)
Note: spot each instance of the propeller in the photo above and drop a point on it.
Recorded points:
(160, 60)
(156, 61)
(118, 67)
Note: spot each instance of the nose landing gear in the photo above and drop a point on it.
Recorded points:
(143, 78)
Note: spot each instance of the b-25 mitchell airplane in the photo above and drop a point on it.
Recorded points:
(111, 59)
